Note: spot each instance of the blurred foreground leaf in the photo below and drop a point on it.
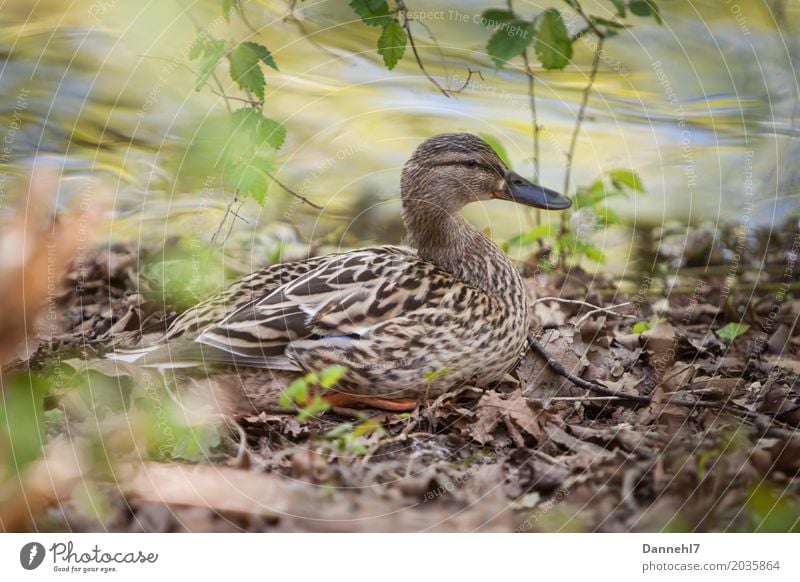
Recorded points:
(22, 426)
(732, 330)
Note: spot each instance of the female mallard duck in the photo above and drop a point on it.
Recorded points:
(392, 315)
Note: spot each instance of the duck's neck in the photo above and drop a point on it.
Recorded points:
(446, 239)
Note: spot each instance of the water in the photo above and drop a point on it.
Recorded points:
(703, 107)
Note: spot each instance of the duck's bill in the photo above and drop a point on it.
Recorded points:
(522, 191)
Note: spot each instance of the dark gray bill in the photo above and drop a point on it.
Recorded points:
(522, 191)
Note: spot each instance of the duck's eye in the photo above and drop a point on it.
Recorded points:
(472, 163)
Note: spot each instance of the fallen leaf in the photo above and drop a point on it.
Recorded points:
(492, 408)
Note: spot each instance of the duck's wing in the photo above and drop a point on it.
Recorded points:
(238, 294)
(177, 348)
(342, 299)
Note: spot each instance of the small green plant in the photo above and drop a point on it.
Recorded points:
(771, 508)
(552, 40)
(184, 273)
(644, 326)
(346, 435)
(299, 392)
(732, 330)
(590, 214)
(22, 422)
(431, 376)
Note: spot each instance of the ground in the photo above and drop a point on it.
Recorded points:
(685, 427)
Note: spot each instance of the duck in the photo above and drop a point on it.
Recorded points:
(407, 323)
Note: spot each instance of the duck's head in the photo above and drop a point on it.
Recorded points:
(450, 170)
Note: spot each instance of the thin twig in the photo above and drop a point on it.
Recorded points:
(438, 49)
(610, 310)
(301, 27)
(253, 102)
(244, 19)
(556, 366)
(689, 290)
(292, 192)
(589, 22)
(570, 301)
(581, 114)
(242, 448)
(235, 214)
(407, 26)
(580, 399)
(222, 222)
(171, 61)
(470, 72)
(534, 118)
(763, 422)
(532, 98)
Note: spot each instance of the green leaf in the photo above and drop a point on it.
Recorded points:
(643, 326)
(593, 252)
(331, 375)
(646, 8)
(198, 44)
(339, 430)
(250, 131)
(263, 53)
(245, 119)
(245, 69)
(509, 41)
(542, 231)
(584, 199)
(195, 443)
(553, 43)
(213, 51)
(367, 427)
(271, 132)
(436, 374)
(599, 21)
(242, 141)
(581, 248)
(620, 6)
(249, 180)
(497, 147)
(392, 44)
(628, 178)
(22, 427)
(495, 17)
(596, 194)
(315, 407)
(228, 6)
(607, 216)
(372, 12)
(297, 391)
(732, 331)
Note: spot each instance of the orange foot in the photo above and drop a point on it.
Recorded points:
(397, 405)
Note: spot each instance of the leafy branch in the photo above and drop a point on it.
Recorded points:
(553, 45)
(396, 34)
(251, 134)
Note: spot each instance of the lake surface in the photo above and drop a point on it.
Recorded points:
(705, 108)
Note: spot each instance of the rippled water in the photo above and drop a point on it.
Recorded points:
(704, 108)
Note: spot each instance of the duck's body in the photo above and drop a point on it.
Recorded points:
(406, 322)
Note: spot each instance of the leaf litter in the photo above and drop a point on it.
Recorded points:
(686, 429)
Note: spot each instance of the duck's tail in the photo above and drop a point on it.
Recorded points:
(190, 354)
